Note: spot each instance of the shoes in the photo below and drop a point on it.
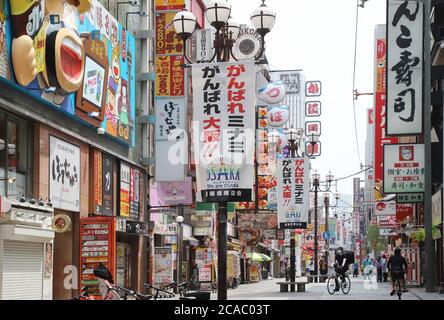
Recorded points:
(393, 293)
(405, 290)
(336, 289)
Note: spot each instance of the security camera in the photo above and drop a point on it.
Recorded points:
(100, 131)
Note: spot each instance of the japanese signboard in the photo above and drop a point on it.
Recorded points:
(313, 150)
(125, 180)
(387, 208)
(171, 193)
(404, 67)
(223, 130)
(169, 5)
(97, 245)
(97, 182)
(405, 212)
(64, 174)
(163, 265)
(313, 108)
(167, 41)
(404, 168)
(388, 222)
(260, 221)
(313, 128)
(291, 80)
(313, 89)
(170, 117)
(135, 193)
(356, 205)
(107, 181)
(410, 198)
(293, 185)
(204, 43)
(379, 104)
(170, 77)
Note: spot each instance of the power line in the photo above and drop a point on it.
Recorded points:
(354, 174)
(354, 80)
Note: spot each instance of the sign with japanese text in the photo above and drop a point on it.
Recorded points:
(404, 168)
(388, 222)
(313, 150)
(410, 198)
(224, 130)
(170, 77)
(356, 205)
(166, 5)
(64, 174)
(291, 80)
(313, 128)
(313, 108)
(262, 221)
(170, 117)
(163, 265)
(293, 195)
(404, 67)
(171, 193)
(125, 180)
(379, 104)
(385, 208)
(135, 193)
(204, 43)
(405, 212)
(167, 41)
(98, 193)
(108, 185)
(313, 88)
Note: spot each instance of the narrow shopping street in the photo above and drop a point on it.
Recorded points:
(360, 290)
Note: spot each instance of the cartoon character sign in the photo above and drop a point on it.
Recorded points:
(46, 45)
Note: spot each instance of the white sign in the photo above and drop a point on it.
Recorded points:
(205, 274)
(204, 43)
(170, 118)
(313, 88)
(404, 168)
(293, 195)
(291, 80)
(64, 175)
(404, 67)
(387, 232)
(313, 128)
(385, 208)
(248, 44)
(163, 265)
(93, 82)
(224, 130)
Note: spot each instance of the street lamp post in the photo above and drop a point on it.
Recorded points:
(227, 30)
(327, 206)
(317, 188)
(179, 221)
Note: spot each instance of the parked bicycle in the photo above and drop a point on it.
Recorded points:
(161, 292)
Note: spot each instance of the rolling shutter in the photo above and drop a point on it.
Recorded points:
(22, 271)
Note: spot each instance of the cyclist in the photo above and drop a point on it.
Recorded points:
(340, 266)
(397, 265)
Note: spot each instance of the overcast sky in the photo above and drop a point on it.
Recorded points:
(318, 37)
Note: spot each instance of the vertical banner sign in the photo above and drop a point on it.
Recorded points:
(167, 41)
(293, 193)
(134, 194)
(405, 67)
(64, 175)
(170, 5)
(170, 117)
(163, 265)
(404, 167)
(107, 181)
(224, 130)
(356, 205)
(380, 100)
(98, 194)
(204, 44)
(125, 180)
(170, 76)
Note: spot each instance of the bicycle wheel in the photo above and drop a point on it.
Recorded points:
(346, 285)
(331, 285)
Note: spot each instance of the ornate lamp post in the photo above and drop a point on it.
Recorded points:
(227, 32)
(179, 221)
(316, 178)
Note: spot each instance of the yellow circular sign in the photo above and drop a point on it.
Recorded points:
(61, 223)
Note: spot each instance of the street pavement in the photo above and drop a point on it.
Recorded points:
(360, 290)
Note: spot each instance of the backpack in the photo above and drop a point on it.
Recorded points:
(350, 256)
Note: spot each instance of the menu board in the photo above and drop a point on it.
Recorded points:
(97, 245)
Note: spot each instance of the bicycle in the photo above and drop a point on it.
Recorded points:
(165, 293)
(345, 284)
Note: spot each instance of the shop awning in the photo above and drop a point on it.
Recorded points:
(191, 241)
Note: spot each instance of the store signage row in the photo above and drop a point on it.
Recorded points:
(97, 74)
(404, 67)
(132, 227)
(223, 94)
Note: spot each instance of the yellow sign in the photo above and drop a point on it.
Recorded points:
(170, 4)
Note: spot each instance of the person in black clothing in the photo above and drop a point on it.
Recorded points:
(397, 265)
(340, 266)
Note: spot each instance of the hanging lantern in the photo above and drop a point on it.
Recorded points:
(278, 116)
(273, 92)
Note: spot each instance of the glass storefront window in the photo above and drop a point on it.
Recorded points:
(15, 156)
(123, 265)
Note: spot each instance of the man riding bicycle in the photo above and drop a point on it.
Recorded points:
(340, 266)
(397, 265)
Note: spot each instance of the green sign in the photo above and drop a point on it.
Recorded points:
(410, 198)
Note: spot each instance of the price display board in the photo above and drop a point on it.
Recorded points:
(97, 245)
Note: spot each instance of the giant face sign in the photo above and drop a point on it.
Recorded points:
(64, 49)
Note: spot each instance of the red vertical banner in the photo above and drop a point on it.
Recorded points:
(98, 196)
(97, 245)
(380, 103)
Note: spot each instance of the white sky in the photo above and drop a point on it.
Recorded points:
(318, 37)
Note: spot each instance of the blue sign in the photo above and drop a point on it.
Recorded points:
(326, 235)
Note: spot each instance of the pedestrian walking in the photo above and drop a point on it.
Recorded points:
(355, 269)
(384, 268)
(367, 268)
(323, 268)
(378, 269)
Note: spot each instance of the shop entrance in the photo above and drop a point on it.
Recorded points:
(124, 265)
